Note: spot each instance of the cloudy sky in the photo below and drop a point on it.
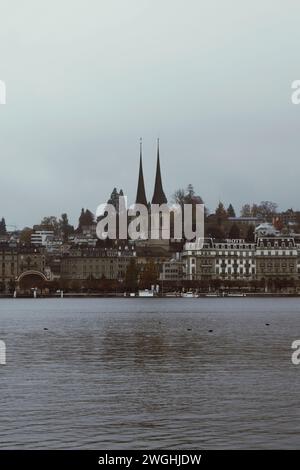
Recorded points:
(86, 78)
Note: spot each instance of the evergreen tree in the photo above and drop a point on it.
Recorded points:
(230, 211)
(2, 227)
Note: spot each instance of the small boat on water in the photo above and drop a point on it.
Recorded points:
(236, 295)
(188, 295)
(212, 295)
(146, 293)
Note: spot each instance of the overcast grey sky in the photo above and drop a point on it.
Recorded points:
(85, 79)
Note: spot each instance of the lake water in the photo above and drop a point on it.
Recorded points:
(148, 373)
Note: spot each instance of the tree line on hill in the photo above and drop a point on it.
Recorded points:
(217, 225)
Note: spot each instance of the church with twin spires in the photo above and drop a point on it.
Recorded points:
(158, 197)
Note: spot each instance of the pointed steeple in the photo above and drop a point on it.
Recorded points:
(159, 196)
(141, 193)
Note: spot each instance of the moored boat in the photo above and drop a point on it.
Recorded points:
(146, 293)
(188, 295)
(236, 295)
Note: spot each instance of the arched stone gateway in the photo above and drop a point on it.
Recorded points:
(31, 279)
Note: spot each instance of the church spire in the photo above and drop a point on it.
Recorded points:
(159, 196)
(141, 193)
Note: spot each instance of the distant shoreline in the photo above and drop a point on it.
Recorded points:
(168, 297)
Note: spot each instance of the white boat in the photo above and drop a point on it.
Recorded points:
(212, 295)
(188, 295)
(236, 295)
(146, 293)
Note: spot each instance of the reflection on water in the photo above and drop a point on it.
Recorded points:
(149, 373)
